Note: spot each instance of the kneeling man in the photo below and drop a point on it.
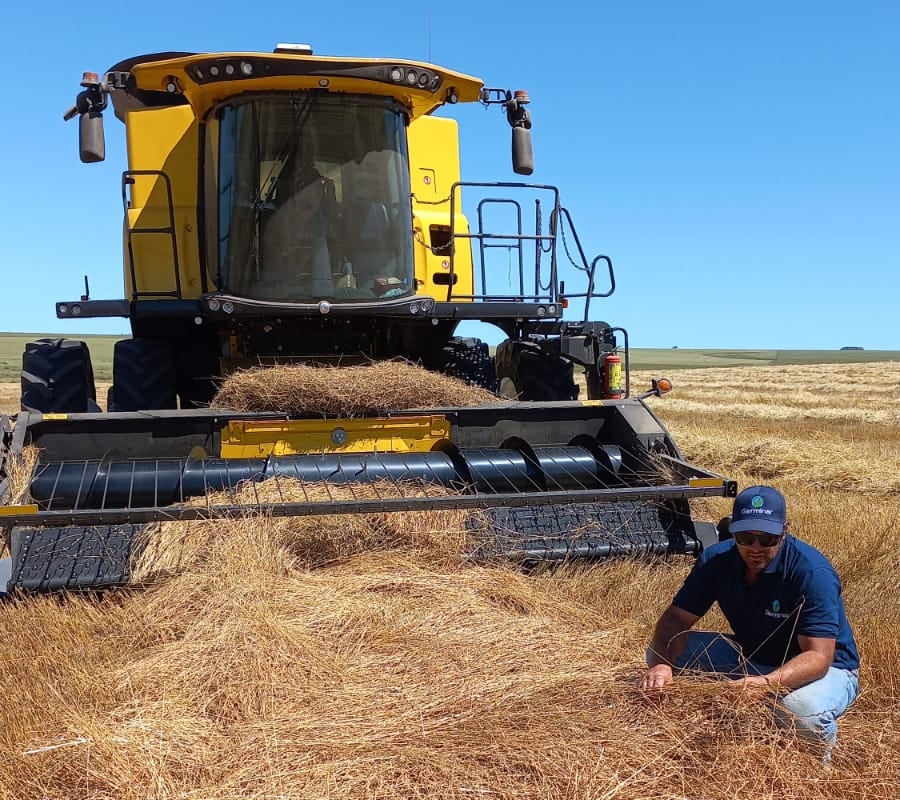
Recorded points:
(782, 598)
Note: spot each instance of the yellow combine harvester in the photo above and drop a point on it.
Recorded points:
(286, 207)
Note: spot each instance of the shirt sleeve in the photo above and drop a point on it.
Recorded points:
(820, 605)
(698, 592)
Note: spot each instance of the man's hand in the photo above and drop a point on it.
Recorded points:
(656, 677)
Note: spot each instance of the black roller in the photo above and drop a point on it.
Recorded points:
(367, 467)
(569, 468)
(136, 482)
(218, 474)
(501, 471)
(145, 483)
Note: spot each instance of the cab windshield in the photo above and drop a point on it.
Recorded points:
(314, 199)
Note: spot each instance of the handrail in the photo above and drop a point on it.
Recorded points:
(128, 180)
(560, 218)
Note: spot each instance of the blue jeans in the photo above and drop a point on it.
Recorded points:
(811, 710)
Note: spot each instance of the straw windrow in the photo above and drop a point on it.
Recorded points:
(304, 389)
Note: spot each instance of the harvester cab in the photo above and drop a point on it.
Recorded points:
(287, 208)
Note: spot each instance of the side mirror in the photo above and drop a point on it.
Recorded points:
(519, 119)
(88, 108)
(91, 141)
(522, 155)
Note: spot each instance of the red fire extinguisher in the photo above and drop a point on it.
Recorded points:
(613, 380)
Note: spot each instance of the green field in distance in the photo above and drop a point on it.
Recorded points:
(101, 347)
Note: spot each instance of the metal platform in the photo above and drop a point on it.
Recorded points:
(531, 497)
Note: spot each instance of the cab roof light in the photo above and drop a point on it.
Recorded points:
(294, 49)
(217, 69)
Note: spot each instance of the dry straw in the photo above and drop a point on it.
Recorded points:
(348, 658)
(19, 470)
(304, 389)
(307, 541)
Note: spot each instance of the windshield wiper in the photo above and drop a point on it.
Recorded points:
(266, 190)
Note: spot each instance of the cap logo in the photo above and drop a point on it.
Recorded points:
(759, 508)
(776, 605)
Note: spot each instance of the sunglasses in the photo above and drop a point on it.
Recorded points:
(765, 539)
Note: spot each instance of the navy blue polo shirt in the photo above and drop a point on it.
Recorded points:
(799, 593)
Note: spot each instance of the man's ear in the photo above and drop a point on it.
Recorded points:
(722, 528)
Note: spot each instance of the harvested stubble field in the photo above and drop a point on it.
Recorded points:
(359, 658)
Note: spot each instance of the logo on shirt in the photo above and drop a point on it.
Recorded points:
(775, 611)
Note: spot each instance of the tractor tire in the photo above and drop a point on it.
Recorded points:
(470, 361)
(143, 376)
(197, 378)
(57, 377)
(528, 373)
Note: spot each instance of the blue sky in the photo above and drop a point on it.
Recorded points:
(740, 162)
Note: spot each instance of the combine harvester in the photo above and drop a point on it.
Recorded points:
(284, 208)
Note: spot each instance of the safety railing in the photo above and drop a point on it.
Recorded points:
(530, 278)
(128, 180)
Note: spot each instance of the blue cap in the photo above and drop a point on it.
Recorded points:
(759, 508)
